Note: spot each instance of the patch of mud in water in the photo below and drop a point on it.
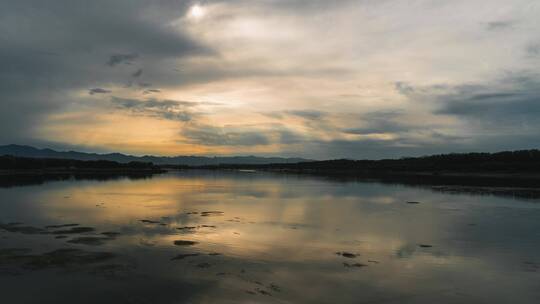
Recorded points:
(530, 266)
(187, 229)
(203, 265)
(147, 243)
(112, 271)
(347, 254)
(185, 255)
(274, 287)
(212, 213)
(111, 234)
(17, 228)
(75, 230)
(90, 240)
(19, 259)
(263, 292)
(184, 243)
(358, 265)
(152, 222)
(61, 226)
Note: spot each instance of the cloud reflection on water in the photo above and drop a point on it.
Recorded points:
(282, 233)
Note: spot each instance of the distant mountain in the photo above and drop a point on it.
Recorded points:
(28, 151)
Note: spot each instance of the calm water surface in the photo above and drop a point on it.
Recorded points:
(263, 238)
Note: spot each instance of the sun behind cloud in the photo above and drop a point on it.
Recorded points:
(196, 11)
(317, 79)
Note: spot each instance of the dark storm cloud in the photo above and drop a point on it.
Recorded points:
(288, 137)
(497, 115)
(375, 148)
(533, 49)
(499, 25)
(241, 135)
(310, 115)
(403, 88)
(209, 135)
(356, 149)
(150, 91)
(510, 102)
(166, 109)
(370, 123)
(121, 27)
(98, 91)
(406, 141)
(211, 72)
(137, 73)
(121, 58)
(52, 48)
(380, 122)
(307, 114)
(492, 105)
(152, 103)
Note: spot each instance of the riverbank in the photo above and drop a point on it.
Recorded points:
(81, 171)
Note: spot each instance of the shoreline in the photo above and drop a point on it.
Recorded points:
(509, 184)
(433, 175)
(79, 171)
(519, 185)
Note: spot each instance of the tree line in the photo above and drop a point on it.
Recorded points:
(508, 161)
(8, 162)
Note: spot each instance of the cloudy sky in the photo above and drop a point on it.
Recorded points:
(312, 78)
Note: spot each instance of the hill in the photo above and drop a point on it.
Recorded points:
(32, 152)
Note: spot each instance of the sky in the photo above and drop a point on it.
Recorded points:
(309, 78)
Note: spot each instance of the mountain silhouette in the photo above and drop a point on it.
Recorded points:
(29, 151)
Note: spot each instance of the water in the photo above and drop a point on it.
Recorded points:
(268, 238)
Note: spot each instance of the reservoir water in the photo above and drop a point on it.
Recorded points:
(252, 237)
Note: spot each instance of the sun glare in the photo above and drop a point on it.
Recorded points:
(196, 12)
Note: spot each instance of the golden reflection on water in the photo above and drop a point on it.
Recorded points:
(288, 230)
(261, 218)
